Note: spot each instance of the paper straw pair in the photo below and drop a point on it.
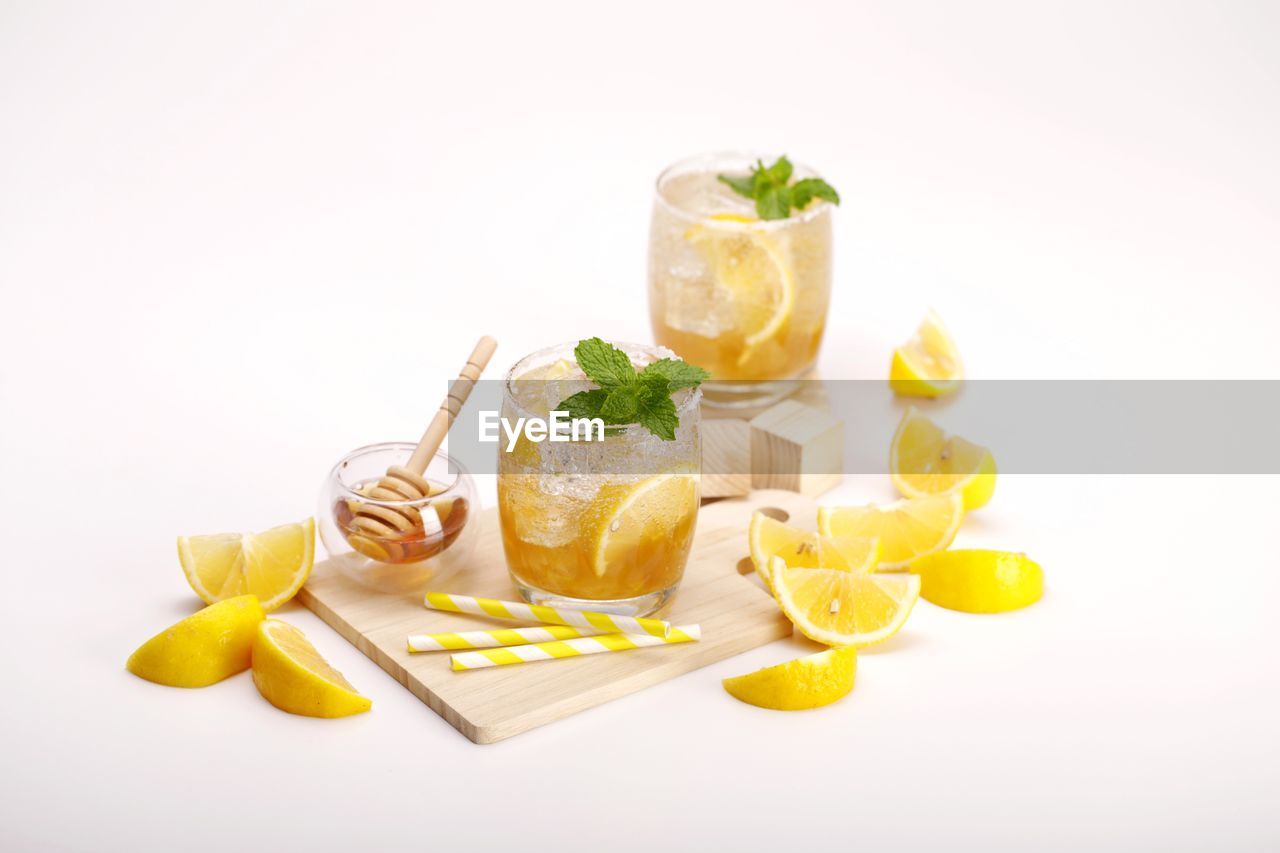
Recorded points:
(568, 633)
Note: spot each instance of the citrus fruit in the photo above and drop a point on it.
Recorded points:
(924, 460)
(906, 529)
(928, 365)
(291, 675)
(753, 271)
(202, 649)
(273, 565)
(807, 682)
(842, 608)
(769, 538)
(627, 521)
(979, 580)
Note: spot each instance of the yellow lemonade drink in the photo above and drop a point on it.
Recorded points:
(603, 523)
(744, 296)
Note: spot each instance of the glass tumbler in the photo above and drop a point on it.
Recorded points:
(743, 297)
(603, 524)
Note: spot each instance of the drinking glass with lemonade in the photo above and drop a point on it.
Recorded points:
(740, 271)
(602, 524)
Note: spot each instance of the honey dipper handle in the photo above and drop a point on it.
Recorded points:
(457, 396)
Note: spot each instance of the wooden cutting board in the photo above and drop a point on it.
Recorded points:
(487, 705)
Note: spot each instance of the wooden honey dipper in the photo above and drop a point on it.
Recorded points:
(406, 482)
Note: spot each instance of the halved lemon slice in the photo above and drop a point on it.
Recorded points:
(929, 364)
(626, 521)
(924, 460)
(842, 608)
(272, 565)
(906, 529)
(291, 675)
(769, 538)
(202, 649)
(754, 271)
(979, 580)
(808, 682)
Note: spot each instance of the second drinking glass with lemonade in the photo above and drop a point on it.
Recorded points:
(740, 271)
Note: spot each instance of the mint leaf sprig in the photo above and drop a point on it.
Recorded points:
(774, 194)
(626, 396)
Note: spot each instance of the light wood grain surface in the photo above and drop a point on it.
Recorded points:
(735, 613)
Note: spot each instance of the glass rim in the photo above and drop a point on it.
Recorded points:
(687, 165)
(693, 398)
(457, 472)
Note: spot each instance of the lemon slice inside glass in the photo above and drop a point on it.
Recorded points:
(273, 565)
(627, 521)
(842, 608)
(924, 460)
(906, 529)
(929, 364)
(753, 271)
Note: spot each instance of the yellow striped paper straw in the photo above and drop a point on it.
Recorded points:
(609, 622)
(570, 648)
(493, 639)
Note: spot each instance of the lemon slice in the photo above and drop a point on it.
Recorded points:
(924, 460)
(929, 364)
(906, 529)
(626, 520)
(842, 608)
(751, 268)
(771, 538)
(202, 649)
(808, 682)
(979, 580)
(272, 565)
(291, 675)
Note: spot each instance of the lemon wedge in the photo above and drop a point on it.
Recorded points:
(842, 608)
(808, 682)
(906, 529)
(628, 521)
(202, 649)
(273, 565)
(929, 364)
(754, 272)
(924, 460)
(979, 580)
(291, 675)
(769, 538)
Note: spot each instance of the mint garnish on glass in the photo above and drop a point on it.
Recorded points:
(626, 396)
(774, 194)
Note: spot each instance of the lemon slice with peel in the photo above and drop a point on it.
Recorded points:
(929, 364)
(769, 538)
(906, 529)
(291, 675)
(924, 460)
(753, 270)
(273, 565)
(979, 580)
(628, 520)
(807, 682)
(202, 649)
(842, 608)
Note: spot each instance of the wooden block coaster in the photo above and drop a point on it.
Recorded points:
(487, 705)
(798, 447)
(726, 458)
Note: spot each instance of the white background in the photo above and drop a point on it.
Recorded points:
(240, 239)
